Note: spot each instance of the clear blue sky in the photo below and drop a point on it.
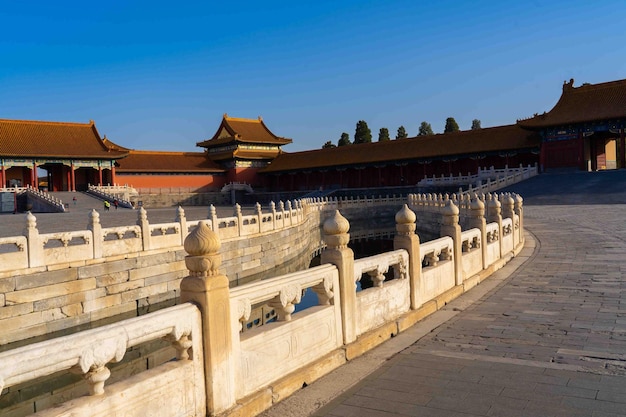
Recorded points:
(159, 75)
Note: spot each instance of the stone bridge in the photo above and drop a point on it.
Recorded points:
(231, 368)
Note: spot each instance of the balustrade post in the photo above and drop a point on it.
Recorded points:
(339, 254)
(451, 227)
(290, 212)
(259, 214)
(407, 239)
(508, 207)
(96, 233)
(519, 210)
(142, 222)
(237, 214)
(33, 242)
(273, 210)
(495, 216)
(213, 217)
(182, 220)
(477, 220)
(206, 287)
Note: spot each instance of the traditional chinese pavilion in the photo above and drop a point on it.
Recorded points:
(585, 128)
(73, 154)
(242, 147)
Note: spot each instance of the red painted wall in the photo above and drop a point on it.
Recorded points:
(196, 182)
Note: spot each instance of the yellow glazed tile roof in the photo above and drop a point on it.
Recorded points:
(233, 129)
(467, 142)
(37, 139)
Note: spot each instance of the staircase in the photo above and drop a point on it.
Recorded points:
(84, 201)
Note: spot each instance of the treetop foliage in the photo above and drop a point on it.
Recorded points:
(476, 124)
(344, 140)
(425, 129)
(362, 134)
(451, 125)
(383, 134)
(401, 133)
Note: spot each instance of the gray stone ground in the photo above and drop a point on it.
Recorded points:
(546, 337)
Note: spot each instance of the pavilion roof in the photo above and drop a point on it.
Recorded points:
(467, 142)
(233, 129)
(586, 103)
(171, 162)
(37, 139)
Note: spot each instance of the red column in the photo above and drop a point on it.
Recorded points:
(72, 178)
(3, 177)
(113, 174)
(33, 177)
(542, 157)
(100, 175)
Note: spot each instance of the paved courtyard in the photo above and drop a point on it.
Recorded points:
(546, 337)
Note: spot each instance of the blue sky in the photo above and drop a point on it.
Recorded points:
(159, 75)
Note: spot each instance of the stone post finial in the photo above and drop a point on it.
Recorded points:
(203, 246)
(142, 215)
(495, 208)
(31, 221)
(336, 231)
(405, 221)
(477, 207)
(450, 213)
(94, 217)
(237, 208)
(258, 209)
(508, 205)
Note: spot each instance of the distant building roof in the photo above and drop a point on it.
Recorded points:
(234, 129)
(587, 103)
(167, 162)
(36, 139)
(467, 142)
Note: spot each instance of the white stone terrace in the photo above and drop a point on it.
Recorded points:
(231, 372)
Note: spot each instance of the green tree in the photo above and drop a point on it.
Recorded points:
(425, 129)
(451, 125)
(476, 124)
(344, 140)
(363, 134)
(401, 133)
(329, 144)
(383, 134)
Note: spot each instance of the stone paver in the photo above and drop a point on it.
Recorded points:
(549, 340)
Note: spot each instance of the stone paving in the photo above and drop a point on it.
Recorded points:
(548, 340)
